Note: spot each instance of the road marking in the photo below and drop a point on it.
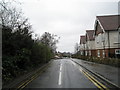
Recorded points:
(73, 63)
(81, 70)
(61, 67)
(95, 82)
(60, 75)
(92, 79)
(29, 81)
(25, 83)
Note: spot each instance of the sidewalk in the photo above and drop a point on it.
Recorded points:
(109, 72)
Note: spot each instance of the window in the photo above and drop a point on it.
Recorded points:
(89, 53)
(98, 53)
(103, 53)
(86, 53)
(81, 52)
(117, 51)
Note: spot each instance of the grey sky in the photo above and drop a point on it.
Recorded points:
(66, 18)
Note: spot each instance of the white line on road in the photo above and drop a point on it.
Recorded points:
(80, 69)
(73, 63)
(61, 67)
(60, 76)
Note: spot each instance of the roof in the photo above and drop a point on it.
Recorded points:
(82, 39)
(109, 22)
(90, 34)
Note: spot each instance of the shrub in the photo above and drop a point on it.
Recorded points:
(108, 61)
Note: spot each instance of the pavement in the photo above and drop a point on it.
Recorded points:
(109, 72)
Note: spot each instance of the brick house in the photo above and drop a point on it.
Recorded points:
(90, 43)
(107, 36)
(82, 45)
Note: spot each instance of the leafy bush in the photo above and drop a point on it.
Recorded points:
(40, 54)
(21, 52)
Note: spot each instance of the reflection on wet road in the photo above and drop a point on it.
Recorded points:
(109, 72)
(62, 73)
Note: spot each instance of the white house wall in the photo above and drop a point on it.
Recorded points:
(101, 41)
(91, 45)
(113, 37)
(82, 46)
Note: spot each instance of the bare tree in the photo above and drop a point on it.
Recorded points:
(49, 40)
(76, 48)
(11, 16)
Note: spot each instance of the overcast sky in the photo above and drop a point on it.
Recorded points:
(66, 18)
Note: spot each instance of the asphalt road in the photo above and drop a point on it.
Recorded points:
(109, 72)
(62, 73)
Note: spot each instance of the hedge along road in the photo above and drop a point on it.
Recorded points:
(63, 73)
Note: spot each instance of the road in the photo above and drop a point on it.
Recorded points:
(109, 72)
(62, 73)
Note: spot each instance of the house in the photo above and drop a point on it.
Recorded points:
(90, 43)
(82, 45)
(107, 36)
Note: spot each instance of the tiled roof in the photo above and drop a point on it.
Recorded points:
(90, 34)
(109, 22)
(82, 39)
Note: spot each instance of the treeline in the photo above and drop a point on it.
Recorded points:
(20, 52)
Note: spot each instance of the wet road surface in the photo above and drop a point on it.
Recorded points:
(62, 73)
(109, 72)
